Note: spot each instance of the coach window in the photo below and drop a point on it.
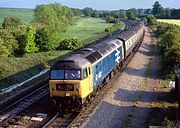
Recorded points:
(85, 73)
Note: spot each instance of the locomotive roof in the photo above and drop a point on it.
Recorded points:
(73, 61)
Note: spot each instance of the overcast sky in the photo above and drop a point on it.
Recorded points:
(95, 4)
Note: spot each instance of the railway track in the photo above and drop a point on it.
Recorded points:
(60, 121)
(128, 25)
(8, 113)
(74, 119)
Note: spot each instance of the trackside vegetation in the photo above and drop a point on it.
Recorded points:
(169, 41)
(17, 69)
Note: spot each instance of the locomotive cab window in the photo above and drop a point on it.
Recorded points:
(57, 74)
(73, 74)
(85, 73)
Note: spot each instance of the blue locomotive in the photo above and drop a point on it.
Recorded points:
(74, 78)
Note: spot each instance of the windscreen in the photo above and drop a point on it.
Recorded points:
(66, 74)
(73, 74)
(57, 74)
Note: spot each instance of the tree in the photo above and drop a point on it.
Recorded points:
(70, 44)
(46, 16)
(122, 14)
(43, 40)
(168, 13)
(175, 13)
(3, 50)
(87, 11)
(9, 41)
(148, 11)
(157, 9)
(141, 12)
(95, 14)
(54, 19)
(53, 16)
(130, 15)
(10, 22)
(110, 19)
(114, 14)
(76, 12)
(170, 43)
(106, 14)
(25, 35)
(151, 20)
(134, 11)
(30, 46)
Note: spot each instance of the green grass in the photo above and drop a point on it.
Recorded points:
(26, 15)
(86, 28)
(15, 70)
(170, 21)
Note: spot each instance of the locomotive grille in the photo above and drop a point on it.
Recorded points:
(64, 87)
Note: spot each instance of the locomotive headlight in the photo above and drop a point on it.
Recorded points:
(76, 86)
(67, 94)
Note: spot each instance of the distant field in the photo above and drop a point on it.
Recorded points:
(85, 28)
(171, 21)
(25, 15)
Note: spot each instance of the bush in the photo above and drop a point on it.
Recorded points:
(9, 41)
(151, 20)
(10, 22)
(170, 124)
(170, 49)
(110, 19)
(170, 44)
(70, 44)
(116, 26)
(3, 50)
(110, 29)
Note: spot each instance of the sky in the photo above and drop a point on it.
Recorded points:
(95, 4)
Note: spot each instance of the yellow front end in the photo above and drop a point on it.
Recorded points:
(81, 88)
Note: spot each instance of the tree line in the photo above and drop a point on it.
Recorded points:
(43, 33)
(158, 11)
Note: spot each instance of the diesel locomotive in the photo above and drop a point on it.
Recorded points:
(75, 77)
